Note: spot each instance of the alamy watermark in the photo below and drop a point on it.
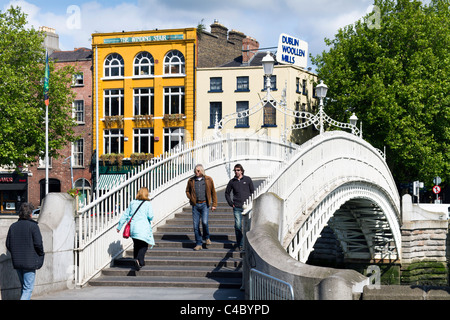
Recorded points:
(373, 21)
(73, 21)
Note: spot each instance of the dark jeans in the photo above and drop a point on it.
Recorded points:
(200, 211)
(139, 249)
(238, 225)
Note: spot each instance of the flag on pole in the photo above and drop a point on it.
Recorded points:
(46, 86)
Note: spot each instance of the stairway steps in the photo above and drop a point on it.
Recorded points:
(172, 262)
(184, 282)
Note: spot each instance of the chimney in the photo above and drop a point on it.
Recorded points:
(219, 30)
(249, 48)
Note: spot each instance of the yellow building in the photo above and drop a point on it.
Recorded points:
(144, 91)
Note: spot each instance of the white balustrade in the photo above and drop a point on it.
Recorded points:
(97, 241)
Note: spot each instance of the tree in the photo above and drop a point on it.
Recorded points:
(395, 75)
(22, 108)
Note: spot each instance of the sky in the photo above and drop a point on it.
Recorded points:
(264, 20)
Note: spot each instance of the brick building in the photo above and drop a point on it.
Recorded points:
(221, 46)
(66, 173)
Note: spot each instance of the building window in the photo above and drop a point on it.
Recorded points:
(113, 102)
(174, 63)
(143, 101)
(143, 140)
(78, 111)
(304, 89)
(113, 141)
(242, 84)
(78, 79)
(273, 83)
(215, 113)
(242, 121)
(41, 164)
(215, 84)
(174, 100)
(114, 65)
(172, 138)
(78, 153)
(297, 85)
(144, 64)
(269, 115)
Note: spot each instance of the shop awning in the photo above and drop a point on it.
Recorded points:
(109, 181)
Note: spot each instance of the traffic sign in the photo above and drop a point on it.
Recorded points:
(436, 189)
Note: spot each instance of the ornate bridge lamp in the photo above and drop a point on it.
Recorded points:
(268, 63)
(319, 119)
(321, 93)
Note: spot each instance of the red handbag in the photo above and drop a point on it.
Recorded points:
(126, 231)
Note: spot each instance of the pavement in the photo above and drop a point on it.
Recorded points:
(143, 293)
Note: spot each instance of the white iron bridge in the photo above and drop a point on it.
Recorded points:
(335, 179)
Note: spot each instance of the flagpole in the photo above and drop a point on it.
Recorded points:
(47, 73)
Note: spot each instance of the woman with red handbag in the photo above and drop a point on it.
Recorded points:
(138, 218)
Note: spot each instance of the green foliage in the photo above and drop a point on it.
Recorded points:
(22, 109)
(396, 78)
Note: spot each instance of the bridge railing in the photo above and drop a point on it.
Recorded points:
(331, 159)
(96, 240)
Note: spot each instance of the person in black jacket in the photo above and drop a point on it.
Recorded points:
(242, 187)
(24, 241)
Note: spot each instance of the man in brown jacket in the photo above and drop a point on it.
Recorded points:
(201, 194)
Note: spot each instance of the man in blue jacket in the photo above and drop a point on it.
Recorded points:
(242, 187)
(24, 241)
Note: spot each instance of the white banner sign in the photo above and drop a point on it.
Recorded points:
(292, 50)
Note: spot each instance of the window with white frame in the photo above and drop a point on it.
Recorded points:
(174, 100)
(174, 63)
(143, 140)
(270, 113)
(41, 164)
(78, 153)
(172, 138)
(144, 64)
(113, 102)
(78, 111)
(215, 113)
(143, 101)
(242, 121)
(114, 65)
(113, 141)
(242, 84)
(78, 79)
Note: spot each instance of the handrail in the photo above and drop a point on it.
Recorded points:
(96, 221)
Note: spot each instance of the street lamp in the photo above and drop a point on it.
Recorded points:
(321, 93)
(321, 90)
(268, 63)
(353, 119)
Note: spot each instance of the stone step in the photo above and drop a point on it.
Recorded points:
(176, 271)
(183, 282)
(173, 263)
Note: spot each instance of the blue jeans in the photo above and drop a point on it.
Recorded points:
(26, 278)
(200, 211)
(238, 225)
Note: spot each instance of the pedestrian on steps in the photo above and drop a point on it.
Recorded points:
(141, 226)
(242, 188)
(201, 193)
(24, 241)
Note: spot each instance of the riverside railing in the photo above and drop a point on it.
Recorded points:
(97, 241)
(265, 287)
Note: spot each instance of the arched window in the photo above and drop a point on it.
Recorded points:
(174, 63)
(144, 64)
(114, 65)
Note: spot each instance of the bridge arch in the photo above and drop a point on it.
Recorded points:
(339, 180)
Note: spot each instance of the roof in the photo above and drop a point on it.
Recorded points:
(79, 54)
(255, 61)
